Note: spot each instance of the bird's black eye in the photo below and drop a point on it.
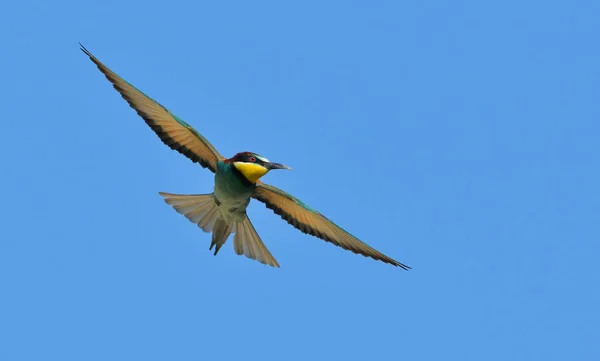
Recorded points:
(252, 159)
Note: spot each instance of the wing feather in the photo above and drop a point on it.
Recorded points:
(309, 221)
(172, 130)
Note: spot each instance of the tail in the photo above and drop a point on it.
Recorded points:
(202, 210)
(247, 242)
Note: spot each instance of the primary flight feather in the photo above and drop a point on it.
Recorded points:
(237, 181)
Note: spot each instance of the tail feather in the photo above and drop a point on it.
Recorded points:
(202, 210)
(220, 234)
(247, 242)
(209, 219)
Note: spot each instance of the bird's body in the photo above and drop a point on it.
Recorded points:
(237, 182)
(232, 192)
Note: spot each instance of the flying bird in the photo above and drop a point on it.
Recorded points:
(237, 182)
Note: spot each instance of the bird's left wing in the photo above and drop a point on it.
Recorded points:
(172, 130)
(309, 221)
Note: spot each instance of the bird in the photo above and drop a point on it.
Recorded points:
(237, 181)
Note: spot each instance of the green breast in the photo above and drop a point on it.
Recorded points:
(230, 184)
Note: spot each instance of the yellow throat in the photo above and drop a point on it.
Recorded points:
(251, 171)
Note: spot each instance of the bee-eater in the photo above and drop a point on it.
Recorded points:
(223, 211)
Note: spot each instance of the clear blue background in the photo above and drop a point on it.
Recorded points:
(459, 137)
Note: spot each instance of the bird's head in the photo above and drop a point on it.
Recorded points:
(253, 166)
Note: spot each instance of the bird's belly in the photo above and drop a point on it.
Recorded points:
(232, 203)
(232, 209)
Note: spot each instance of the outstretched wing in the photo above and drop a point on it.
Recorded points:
(314, 223)
(172, 130)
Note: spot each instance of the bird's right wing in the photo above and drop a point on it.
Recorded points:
(172, 130)
(309, 221)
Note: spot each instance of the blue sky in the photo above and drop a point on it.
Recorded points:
(459, 137)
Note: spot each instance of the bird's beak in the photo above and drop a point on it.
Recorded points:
(272, 166)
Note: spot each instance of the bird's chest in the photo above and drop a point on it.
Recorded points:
(231, 192)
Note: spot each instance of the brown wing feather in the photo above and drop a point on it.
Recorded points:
(172, 130)
(314, 223)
